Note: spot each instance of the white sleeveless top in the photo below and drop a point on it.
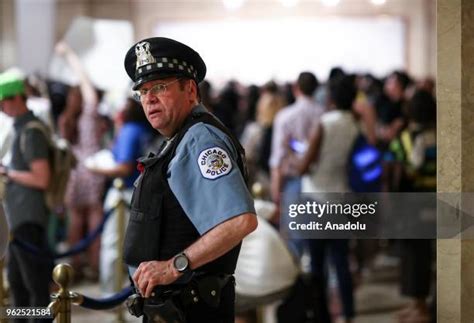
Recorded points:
(329, 172)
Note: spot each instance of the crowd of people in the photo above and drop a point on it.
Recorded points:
(298, 137)
(313, 133)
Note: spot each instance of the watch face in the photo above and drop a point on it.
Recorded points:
(181, 262)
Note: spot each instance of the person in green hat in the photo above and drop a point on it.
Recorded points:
(28, 176)
(11, 84)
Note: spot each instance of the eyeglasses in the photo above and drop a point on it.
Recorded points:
(156, 90)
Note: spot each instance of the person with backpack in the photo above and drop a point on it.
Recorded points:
(28, 176)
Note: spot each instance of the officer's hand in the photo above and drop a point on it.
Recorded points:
(152, 273)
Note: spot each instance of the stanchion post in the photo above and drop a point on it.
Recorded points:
(119, 275)
(61, 304)
(257, 190)
(2, 289)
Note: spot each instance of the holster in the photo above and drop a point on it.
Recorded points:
(164, 310)
(135, 305)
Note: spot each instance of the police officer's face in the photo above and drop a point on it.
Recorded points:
(167, 110)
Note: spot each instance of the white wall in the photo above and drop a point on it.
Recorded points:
(7, 34)
(35, 29)
(418, 15)
(254, 51)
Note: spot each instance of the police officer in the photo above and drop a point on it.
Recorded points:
(191, 207)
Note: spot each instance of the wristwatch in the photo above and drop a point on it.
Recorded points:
(181, 263)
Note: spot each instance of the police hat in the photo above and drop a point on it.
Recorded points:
(158, 57)
(11, 84)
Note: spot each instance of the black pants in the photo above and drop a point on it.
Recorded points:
(200, 312)
(29, 275)
(416, 261)
(337, 251)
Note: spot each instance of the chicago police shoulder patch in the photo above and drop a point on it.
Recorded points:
(214, 162)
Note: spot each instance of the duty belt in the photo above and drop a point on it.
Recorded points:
(169, 303)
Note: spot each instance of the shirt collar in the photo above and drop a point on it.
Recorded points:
(305, 99)
(152, 157)
(21, 120)
(199, 108)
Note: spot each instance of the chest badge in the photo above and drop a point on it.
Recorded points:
(214, 162)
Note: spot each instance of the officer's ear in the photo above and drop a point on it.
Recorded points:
(193, 89)
(192, 86)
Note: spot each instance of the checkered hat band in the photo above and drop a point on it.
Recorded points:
(167, 63)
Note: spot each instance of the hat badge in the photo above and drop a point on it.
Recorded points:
(144, 57)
